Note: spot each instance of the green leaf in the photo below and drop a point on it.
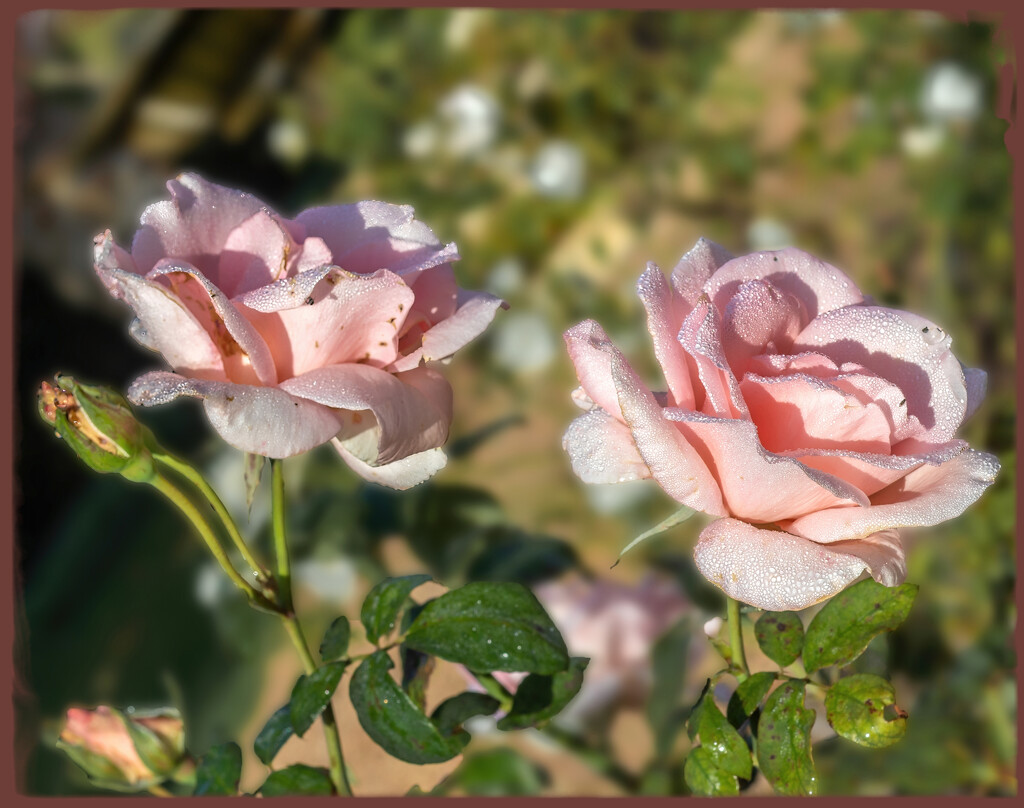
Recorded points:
(416, 671)
(275, 732)
(856, 709)
(784, 741)
(312, 694)
(668, 662)
(298, 779)
(253, 471)
(841, 631)
(727, 751)
(490, 627)
(513, 555)
(676, 518)
(705, 779)
(336, 638)
(384, 603)
(219, 771)
(540, 698)
(781, 636)
(747, 697)
(452, 713)
(392, 720)
(497, 773)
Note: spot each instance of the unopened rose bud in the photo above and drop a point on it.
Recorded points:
(97, 423)
(125, 752)
(713, 626)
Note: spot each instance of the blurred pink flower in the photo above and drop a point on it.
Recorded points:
(104, 733)
(812, 421)
(615, 626)
(298, 331)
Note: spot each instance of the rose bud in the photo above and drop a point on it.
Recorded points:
(125, 752)
(98, 425)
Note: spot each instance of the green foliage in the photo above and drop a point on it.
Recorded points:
(385, 602)
(841, 631)
(668, 666)
(490, 627)
(748, 697)
(712, 768)
(784, 741)
(312, 693)
(863, 709)
(705, 779)
(336, 639)
(393, 721)
(298, 779)
(539, 698)
(781, 636)
(452, 713)
(496, 772)
(219, 771)
(274, 734)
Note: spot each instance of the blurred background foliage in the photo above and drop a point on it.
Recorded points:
(561, 151)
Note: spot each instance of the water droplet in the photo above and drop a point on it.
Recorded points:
(385, 701)
(504, 655)
(129, 710)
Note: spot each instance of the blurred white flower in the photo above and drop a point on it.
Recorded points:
(288, 141)
(558, 170)
(330, 579)
(921, 142)
(951, 93)
(462, 24)
(523, 341)
(211, 585)
(506, 278)
(420, 139)
(471, 116)
(765, 233)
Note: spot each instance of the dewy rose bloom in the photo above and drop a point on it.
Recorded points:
(813, 422)
(295, 332)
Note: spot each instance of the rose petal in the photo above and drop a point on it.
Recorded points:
(701, 338)
(262, 249)
(246, 357)
(367, 236)
(401, 474)
(166, 325)
(663, 321)
(261, 420)
(976, 381)
(803, 411)
(819, 286)
(756, 484)
(695, 269)
(413, 410)
(345, 318)
(590, 351)
(926, 496)
(107, 256)
(193, 225)
(777, 571)
(905, 349)
(759, 317)
(873, 472)
(475, 312)
(672, 461)
(602, 450)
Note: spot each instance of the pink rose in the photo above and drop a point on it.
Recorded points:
(110, 753)
(815, 423)
(296, 332)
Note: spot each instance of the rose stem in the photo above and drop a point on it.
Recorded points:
(174, 494)
(192, 475)
(739, 657)
(332, 734)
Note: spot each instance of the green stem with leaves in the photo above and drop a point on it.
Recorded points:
(332, 735)
(739, 657)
